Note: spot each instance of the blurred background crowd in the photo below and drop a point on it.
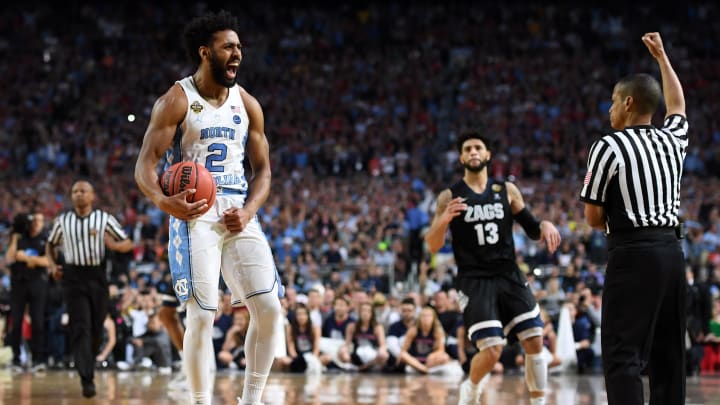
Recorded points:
(362, 105)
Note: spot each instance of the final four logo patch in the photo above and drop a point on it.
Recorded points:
(196, 107)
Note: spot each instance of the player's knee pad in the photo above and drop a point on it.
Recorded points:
(529, 333)
(536, 372)
(488, 342)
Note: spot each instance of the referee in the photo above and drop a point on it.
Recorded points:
(632, 191)
(85, 233)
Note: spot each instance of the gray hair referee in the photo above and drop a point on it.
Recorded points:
(632, 191)
(85, 233)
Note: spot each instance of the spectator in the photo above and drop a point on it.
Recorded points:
(29, 279)
(451, 320)
(303, 343)
(368, 340)
(711, 358)
(553, 298)
(396, 334)
(154, 345)
(104, 359)
(699, 313)
(336, 337)
(424, 345)
(232, 353)
(584, 332)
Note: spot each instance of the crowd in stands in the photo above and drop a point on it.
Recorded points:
(362, 105)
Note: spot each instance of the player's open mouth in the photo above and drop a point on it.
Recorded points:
(232, 69)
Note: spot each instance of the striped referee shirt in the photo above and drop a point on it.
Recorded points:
(83, 238)
(634, 174)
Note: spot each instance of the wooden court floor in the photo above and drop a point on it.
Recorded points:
(63, 388)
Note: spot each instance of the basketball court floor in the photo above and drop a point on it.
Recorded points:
(63, 388)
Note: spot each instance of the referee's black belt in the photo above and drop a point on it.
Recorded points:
(76, 267)
(648, 234)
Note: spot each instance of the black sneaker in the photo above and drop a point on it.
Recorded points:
(88, 390)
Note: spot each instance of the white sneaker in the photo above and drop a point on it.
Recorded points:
(537, 401)
(146, 363)
(346, 366)
(555, 370)
(469, 395)
(123, 365)
(39, 368)
(178, 382)
(451, 369)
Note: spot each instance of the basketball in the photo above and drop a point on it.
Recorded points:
(186, 175)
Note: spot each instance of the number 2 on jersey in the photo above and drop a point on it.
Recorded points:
(487, 233)
(213, 158)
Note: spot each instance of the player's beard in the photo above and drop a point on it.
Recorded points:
(476, 169)
(217, 69)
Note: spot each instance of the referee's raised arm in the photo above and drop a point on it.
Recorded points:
(674, 98)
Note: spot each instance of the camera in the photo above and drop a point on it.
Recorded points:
(21, 224)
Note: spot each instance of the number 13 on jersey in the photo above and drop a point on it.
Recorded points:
(487, 233)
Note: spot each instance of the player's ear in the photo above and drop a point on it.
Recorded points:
(204, 52)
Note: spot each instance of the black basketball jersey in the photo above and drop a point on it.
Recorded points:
(32, 246)
(482, 237)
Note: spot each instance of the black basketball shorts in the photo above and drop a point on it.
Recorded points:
(501, 306)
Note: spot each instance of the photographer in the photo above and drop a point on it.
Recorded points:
(584, 333)
(29, 280)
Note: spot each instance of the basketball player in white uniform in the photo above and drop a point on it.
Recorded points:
(208, 119)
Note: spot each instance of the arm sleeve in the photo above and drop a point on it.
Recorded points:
(530, 224)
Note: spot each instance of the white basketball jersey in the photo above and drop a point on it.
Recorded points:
(213, 137)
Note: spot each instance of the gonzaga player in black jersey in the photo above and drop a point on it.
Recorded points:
(494, 296)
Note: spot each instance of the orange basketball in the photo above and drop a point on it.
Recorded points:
(186, 175)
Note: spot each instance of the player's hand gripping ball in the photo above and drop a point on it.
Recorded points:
(187, 175)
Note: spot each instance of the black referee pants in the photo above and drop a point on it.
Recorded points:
(643, 318)
(86, 295)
